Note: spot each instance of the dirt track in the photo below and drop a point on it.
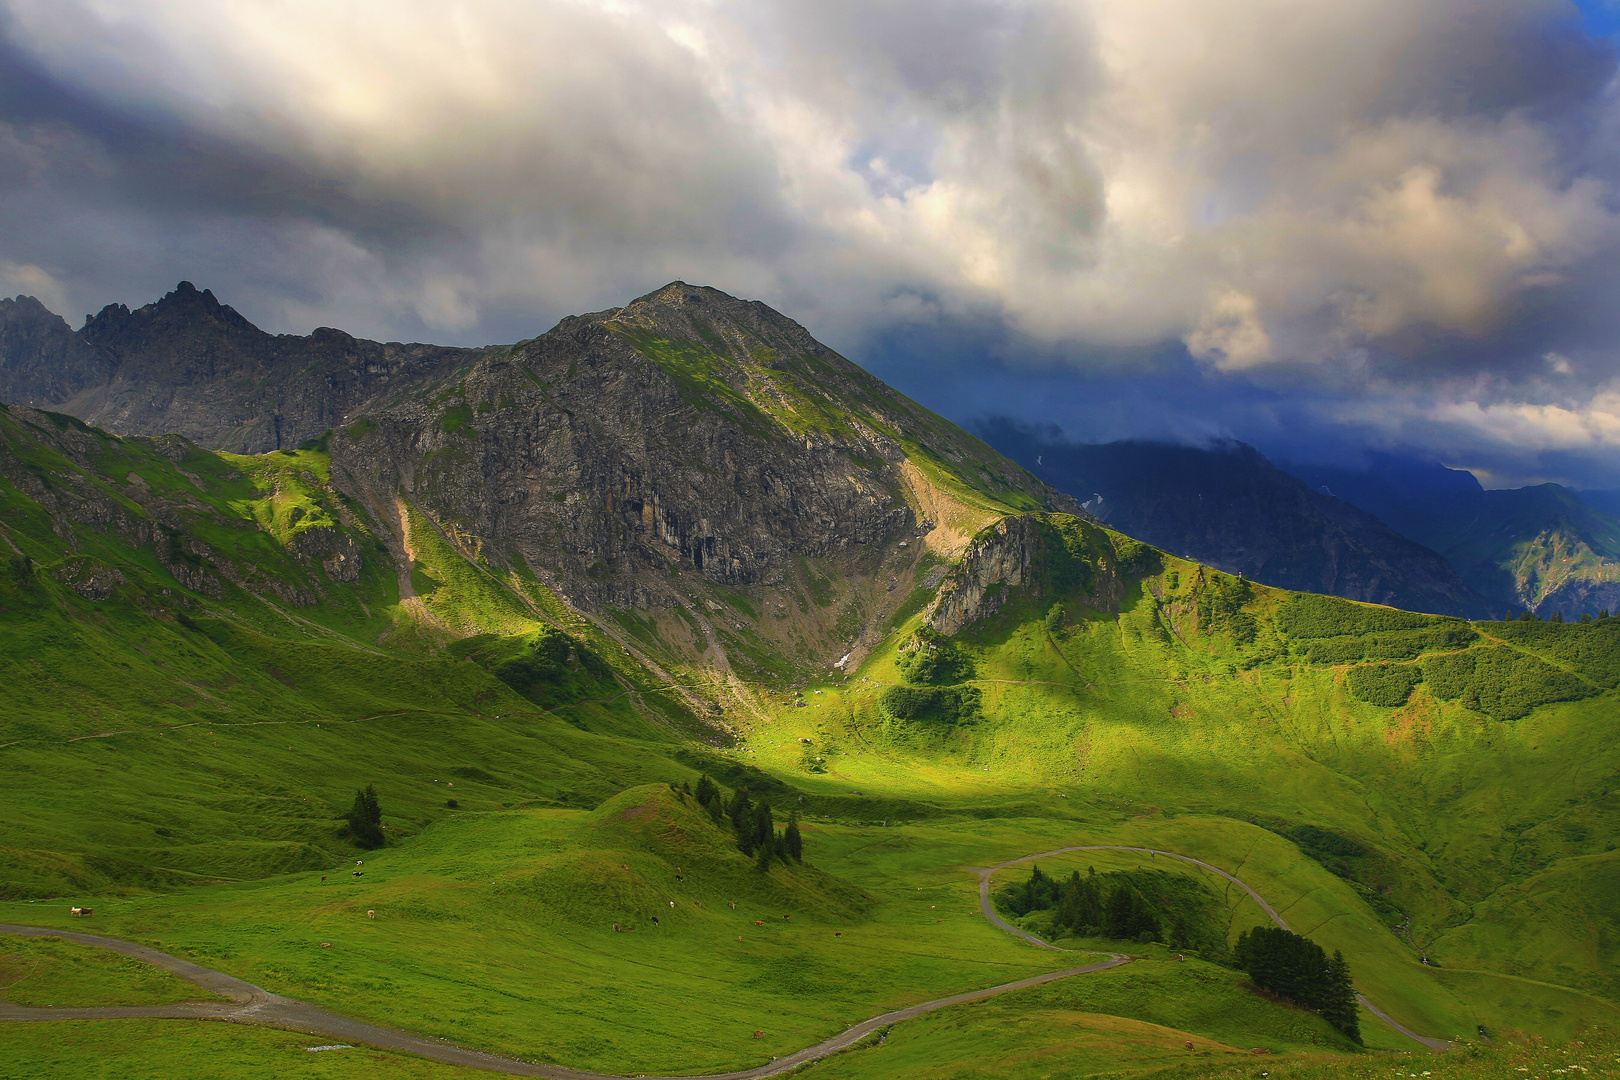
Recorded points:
(250, 1004)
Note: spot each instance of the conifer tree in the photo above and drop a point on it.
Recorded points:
(365, 818)
(764, 827)
(742, 820)
(792, 841)
(1339, 998)
(706, 792)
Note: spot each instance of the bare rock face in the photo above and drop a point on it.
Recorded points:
(192, 365)
(42, 361)
(688, 432)
(1002, 557)
(1040, 554)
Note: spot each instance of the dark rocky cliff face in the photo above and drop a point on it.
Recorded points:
(1231, 508)
(42, 361)
(192, 365)
(688, 432)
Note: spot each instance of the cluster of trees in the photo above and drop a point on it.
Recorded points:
(941, 705)
(1219, 600)
(1592, 648)
(1308, 615)
(1090, 906)
(753, 824)
(365, 819)
(1297, 969)
(1386, 685)
(935, 660)
(1500, 681)
(540, 671)
(1558, 617)
(1390, 645)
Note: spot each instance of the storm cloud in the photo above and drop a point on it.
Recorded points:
(1390, 224)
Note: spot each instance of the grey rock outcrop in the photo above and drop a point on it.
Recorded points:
(686, 432)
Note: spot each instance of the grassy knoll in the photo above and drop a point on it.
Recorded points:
(42, 972)
(495, 930)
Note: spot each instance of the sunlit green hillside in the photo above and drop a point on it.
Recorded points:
(205, 656)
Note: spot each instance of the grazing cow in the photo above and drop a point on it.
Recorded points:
(761, 1034)
(326, 944)
(371, 914)
(733, 904)
(759, 922)
(785, 918)
(672, 903)
(697, 903)
(359, 862)
(616, 928)
(359, 873)
(323, 877)
(81, 911)
(1188, 1045)
(838, 933)
(624, 866)
(656, 922)
(739, 937)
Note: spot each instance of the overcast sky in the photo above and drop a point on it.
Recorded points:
(1318, 226)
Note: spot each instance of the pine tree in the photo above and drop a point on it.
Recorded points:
(764, 828)
(792, 840)
(742, 820)
(1339, 999)
(1119, 913)
(365, 818)
(706, 792)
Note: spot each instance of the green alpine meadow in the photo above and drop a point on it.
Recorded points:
(666, 695)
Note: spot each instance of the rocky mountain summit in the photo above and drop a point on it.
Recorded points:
(691, 456)
(191, 365)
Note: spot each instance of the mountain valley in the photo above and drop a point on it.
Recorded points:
(534, 594)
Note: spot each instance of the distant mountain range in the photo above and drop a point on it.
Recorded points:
(1397, 532)
(1543, 548)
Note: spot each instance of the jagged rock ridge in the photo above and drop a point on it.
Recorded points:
(189, 364)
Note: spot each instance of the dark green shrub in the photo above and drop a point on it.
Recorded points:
(1386, 685)
(1502, 682)
(935, 705)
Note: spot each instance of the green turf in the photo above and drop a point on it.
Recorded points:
(162, 1050)
(44, 972)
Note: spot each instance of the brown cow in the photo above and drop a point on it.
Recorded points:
(733, 904)
(371, 914)
(615, 928)
(81, 911)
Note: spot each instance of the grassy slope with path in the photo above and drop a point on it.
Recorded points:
(144, 757)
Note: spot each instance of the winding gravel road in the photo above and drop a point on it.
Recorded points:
(250, 1004)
